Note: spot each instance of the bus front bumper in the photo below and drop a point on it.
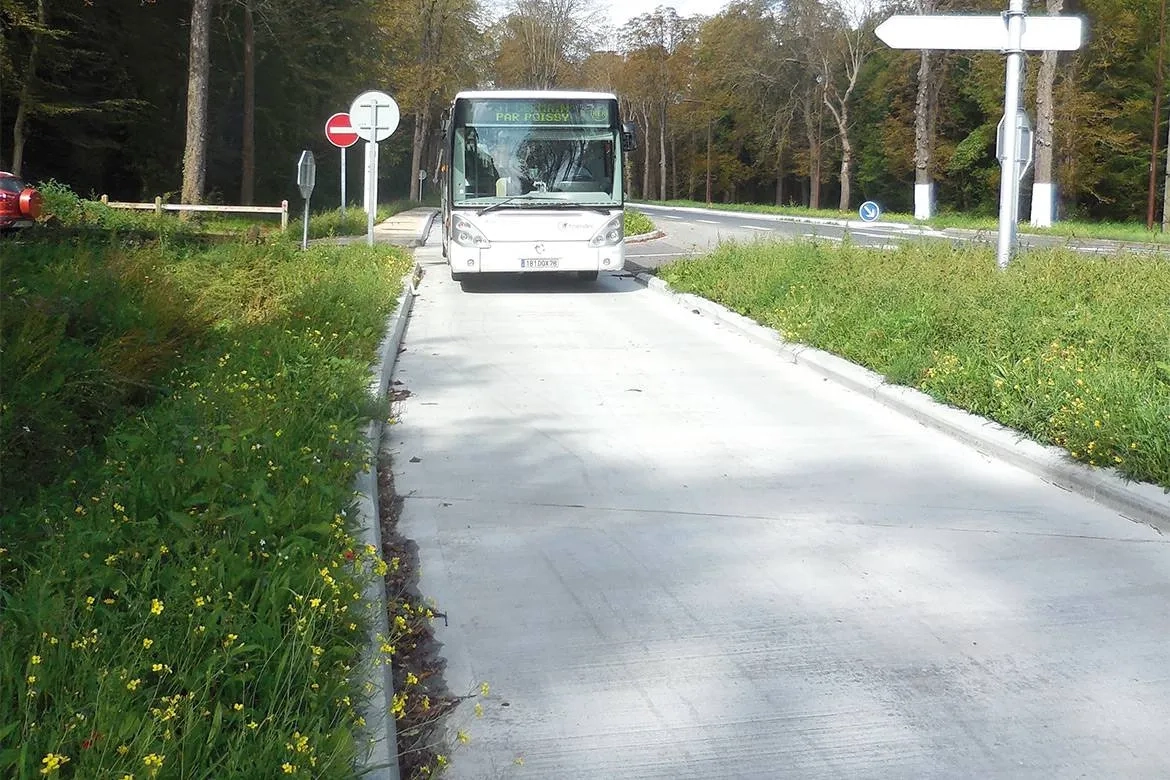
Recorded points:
(528, 257)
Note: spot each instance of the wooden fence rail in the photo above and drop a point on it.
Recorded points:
(159, 207)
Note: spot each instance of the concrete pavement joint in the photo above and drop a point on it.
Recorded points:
(381, 758)
(1140, 502)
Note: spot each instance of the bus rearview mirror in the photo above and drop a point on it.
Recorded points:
(629, 137)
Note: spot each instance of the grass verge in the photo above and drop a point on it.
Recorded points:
(1072, 350)
(179, 582)
(1131, 232)
(637, 223)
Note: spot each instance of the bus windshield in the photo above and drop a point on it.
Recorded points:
(545, 164)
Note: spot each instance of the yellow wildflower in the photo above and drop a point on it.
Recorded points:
(156, 608)
(52, 762)
(154, 762)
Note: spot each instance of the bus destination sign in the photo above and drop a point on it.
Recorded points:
(529, 113)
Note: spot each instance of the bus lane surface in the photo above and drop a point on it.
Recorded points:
(673, 554)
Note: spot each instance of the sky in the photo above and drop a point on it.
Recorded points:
(622, 11)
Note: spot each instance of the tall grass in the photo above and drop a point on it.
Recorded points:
(179, 586)
(1073, 350)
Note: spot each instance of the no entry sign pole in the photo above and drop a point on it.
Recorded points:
(993, 33)
(339, 132)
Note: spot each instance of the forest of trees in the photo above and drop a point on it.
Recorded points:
(770, 101)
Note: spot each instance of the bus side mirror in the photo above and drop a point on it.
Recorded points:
(629, 137)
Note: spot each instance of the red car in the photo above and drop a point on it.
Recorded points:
(20, 204)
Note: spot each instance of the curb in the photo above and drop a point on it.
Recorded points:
(1137, 501)
(641, 237)
(380, 760)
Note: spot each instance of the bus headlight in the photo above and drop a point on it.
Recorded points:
(466, 234)
(610, 234)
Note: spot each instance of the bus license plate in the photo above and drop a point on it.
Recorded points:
(539, 263)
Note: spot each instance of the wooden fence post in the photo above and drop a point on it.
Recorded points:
(158, 205)
(284, 215)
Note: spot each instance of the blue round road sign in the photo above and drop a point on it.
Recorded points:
(869, 211)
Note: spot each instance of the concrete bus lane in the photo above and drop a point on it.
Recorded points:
(673, 554)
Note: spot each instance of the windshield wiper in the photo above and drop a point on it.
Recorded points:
(527, 196)
(547, 201)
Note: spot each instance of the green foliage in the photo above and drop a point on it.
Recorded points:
(637, 223)
(326, 224)
(1066, 348)
(186, 600)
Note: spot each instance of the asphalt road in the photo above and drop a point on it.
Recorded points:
(673, 554)
(691, 232)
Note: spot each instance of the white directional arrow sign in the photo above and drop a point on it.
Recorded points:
(980, 33)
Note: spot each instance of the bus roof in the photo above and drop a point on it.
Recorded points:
(550, 94)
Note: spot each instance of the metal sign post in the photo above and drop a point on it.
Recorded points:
(422, 178)
(375, 117)
(1009, 177)
(339, 132)
(306, 179)
(1007, 34)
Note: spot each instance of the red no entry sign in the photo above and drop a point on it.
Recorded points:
(339, 131)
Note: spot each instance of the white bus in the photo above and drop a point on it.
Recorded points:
(532, 183)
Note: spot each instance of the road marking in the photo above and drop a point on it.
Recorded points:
(830, 238)
(669, 216)
(870, 235)
(753, 227)
(662, 254)
(708, 221)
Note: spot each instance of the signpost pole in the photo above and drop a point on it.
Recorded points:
(1009, 184)
(306, 179)
(372, 178)
(343, 183)
(305, 235)
(375, 117)
(366, 180)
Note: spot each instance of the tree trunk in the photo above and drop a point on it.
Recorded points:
(22, 106)
(1166, 185)
(814, 173)
(1159, 77)
(662, 154)
(812, 129)
(248, 150)
(924, 140)
(198, 71)
(846, 170)
(419, 141)
(1042, 186)
(673, 168)
(780, 173)
(646, 154)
